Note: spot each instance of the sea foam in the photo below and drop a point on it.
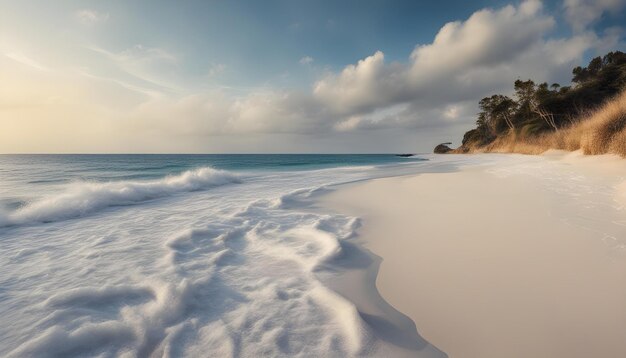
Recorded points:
(81, 198)
(236, 271)
(245, 286)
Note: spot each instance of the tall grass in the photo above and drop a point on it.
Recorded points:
(599, 132)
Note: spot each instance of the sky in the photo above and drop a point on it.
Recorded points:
(277, 76)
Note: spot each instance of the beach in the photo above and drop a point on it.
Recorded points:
(511, 256)
(489, 255)
(333, 179)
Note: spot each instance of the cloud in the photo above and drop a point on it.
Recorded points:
(582, 13)
(431, 95)
(306, 60)
(216, 69)
(362, 87)
(455, 64)
(487, 38)
(439, 84)
(152, 65)
(24, 60)
(138, 89)
(216, 113)
(612, 39)
(467, 60)
(90, 17)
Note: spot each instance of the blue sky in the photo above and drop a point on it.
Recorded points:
(263, 40)
(276, 76)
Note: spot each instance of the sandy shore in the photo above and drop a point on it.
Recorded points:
(521, 258)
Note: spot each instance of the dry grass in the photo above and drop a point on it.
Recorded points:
(599, 132)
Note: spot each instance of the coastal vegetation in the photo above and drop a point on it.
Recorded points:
(589, 114)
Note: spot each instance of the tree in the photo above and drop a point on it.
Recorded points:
(538, 107)
(531, 98)
(495, 111)
(598, 65)
(546, 116)
(525, 94)
(584, 74)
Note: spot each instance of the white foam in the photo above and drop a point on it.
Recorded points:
(4, 217)
(81, 198)
(95, 297)
(89, 338)
(231, 271)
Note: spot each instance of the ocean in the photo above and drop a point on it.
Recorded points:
(178, 255)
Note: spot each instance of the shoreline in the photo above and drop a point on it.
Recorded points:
(356, 283)
(523, 271)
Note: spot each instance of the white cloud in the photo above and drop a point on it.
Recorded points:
(129, 86)
(349, 124)
(216, 113)
(153, 65)
(612, 39)
(90, 17)
(432, 94)
(362, 87)
(466, 61)
(582, 13)
(18, 57)
(306, 60)
(216, 69)
(439, 85)
(488, 37)
(456, 65)
(451, 112)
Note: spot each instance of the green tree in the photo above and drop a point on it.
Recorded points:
(497, 112)
(539, 107)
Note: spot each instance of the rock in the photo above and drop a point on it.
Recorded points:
(442, 148)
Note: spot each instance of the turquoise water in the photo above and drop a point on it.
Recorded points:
(36, 169)
(24, 174)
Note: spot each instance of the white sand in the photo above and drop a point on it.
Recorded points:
(521, 258)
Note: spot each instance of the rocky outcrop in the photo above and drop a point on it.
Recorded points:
(442, 148)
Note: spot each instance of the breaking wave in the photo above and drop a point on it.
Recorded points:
(82, 198)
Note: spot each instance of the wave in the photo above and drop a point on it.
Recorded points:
(82, 198)
(4, 217)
